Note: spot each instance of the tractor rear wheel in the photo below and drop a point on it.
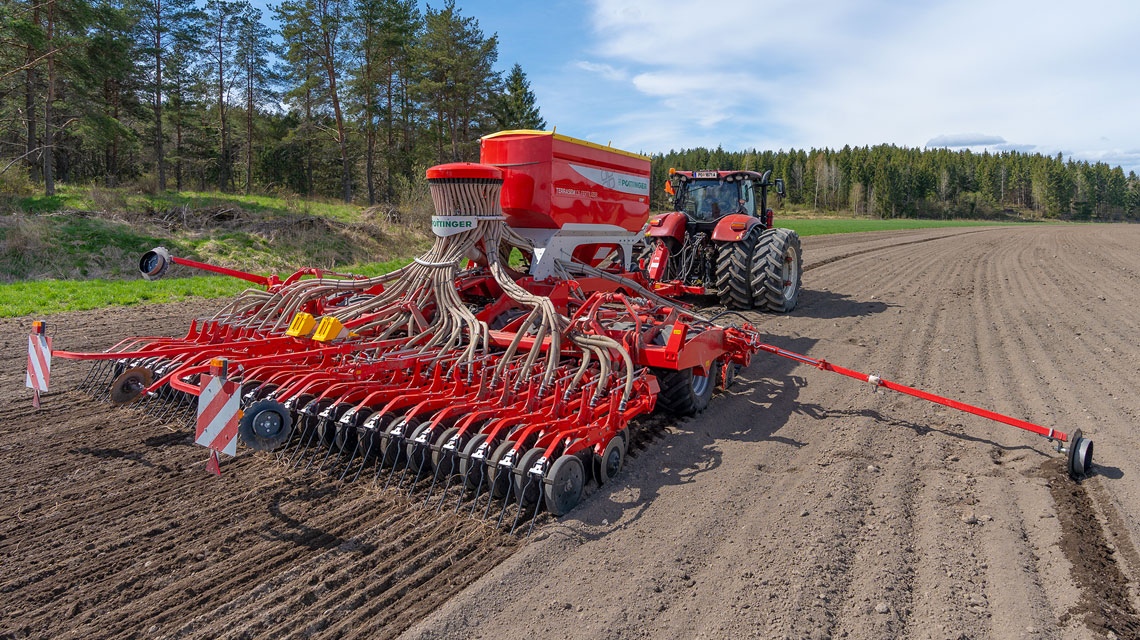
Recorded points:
(734, 271)
(777, 267)
(683, 392)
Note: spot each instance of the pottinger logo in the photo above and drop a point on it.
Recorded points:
(623, 182)
(444, 226)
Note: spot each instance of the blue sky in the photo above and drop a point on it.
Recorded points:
(651, 75)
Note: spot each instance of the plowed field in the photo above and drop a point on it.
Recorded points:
(801, 504)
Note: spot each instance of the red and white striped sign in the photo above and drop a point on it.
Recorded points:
(218, 404)
(39, 365)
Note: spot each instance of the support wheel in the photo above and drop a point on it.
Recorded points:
(683, 392)
(265, 426)
(610, 462)
(734, 271)
(777, 267)
(1080, 455)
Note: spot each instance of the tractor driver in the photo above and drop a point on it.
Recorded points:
(722, 199)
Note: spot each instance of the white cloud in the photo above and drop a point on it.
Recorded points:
(965, 140)
(1043, 74)
(606, 71)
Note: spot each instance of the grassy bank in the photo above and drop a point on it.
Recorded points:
(79, 249)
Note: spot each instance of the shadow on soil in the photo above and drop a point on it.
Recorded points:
(828, 305)
(689, 445)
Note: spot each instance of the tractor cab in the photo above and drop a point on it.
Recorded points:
(706, 196)
(709, 199)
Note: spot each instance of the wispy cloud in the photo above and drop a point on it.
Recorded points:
(781, 73)
(955, 140)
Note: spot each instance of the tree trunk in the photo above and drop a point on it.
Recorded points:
(248, 128)
(159, 151)
(49, 141)
(224, 152)
(338, 115)
(30, 94)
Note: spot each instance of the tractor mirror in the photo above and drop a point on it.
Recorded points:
(780, 186)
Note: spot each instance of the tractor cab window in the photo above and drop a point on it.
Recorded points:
(709, 199)
(748, 195)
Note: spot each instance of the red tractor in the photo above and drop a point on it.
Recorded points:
(719, 240)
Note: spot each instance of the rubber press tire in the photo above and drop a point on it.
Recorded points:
(777, 271)
(683, 392)
(734, 271)
(563, 486)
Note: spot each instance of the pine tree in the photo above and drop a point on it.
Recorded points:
(456, 83)
(251, 57)
(160, 25)
(515, 107)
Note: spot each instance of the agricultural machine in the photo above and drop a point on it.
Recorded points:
(719, 240)
(493, 388)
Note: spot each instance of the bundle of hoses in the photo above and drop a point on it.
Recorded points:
(421, 304)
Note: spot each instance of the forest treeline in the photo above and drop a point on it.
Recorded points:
(345, 98)
(352, 99)
(887, 181)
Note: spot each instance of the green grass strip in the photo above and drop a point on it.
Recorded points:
(824, 226)
(43, 297)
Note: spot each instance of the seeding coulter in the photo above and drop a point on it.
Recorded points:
(497, 388)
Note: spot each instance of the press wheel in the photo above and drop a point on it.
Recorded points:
(610, 462)
(446, 461)
(563, 485)
(500, 480)
(471, 469)
(528, 489)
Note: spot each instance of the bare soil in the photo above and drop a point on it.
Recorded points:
(800, 504)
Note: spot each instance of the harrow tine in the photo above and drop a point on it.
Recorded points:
(434, 481)
(475, 498)
(419, 474)
(348, 465)
(301, 450)
(525, 489)
(363, 461)
(328, 447)
(446, 490)
(533, 519)
(503, 511)
(93, 374)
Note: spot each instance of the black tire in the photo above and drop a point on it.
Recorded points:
(777, 271)
(527, 490)
(563, 485)
(608, 465)
(683, 393)
(500, 478)
(734, 271)
(265, 426)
